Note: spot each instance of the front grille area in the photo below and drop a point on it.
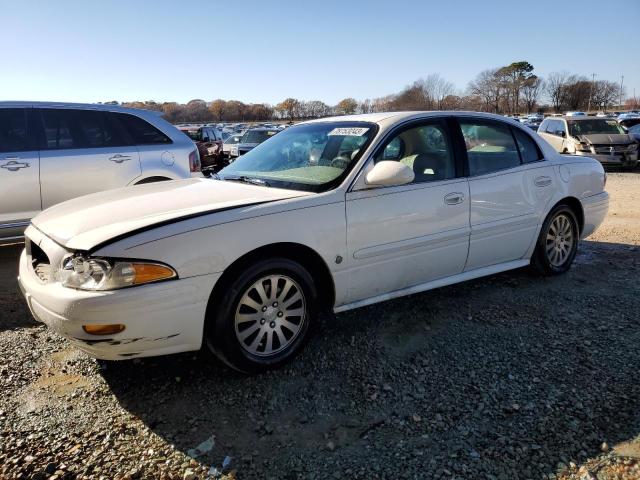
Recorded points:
(39, 261)
(606, 149)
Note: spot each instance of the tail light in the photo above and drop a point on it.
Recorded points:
(194, 161)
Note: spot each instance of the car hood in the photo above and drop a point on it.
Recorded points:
(606, 138)
(84, 222)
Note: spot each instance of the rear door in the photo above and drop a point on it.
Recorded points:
(19, 172)
(510, 186)
(83, 151)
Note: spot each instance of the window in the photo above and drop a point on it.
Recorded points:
(141, 131)
(529, 151)
(425, 149)
(79, 129)
(13, 130)
(555, 127)
(594, 126)
(490, 147)
(312, 157)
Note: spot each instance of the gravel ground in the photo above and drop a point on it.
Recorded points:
(508, 377)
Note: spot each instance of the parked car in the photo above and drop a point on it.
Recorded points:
(575, 114)
(229, 143)
(634, 132)
(599, 138)
(332, 214)
(251, 139)
(51, 152)
(209, 143)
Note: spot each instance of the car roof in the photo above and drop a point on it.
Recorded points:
(83, 106)
(390, 118)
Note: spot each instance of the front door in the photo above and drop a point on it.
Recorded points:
(83, 151)
(406, 235)
(19, 173)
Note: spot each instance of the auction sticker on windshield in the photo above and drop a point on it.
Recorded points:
(345, 131)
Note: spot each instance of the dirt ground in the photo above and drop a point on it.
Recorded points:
(513, 376)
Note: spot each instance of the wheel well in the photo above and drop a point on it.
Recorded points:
(305, 256)
(576, 206)
(152, 180)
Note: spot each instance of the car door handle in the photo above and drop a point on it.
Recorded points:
(454, 198)
(14, 166)
(542, 181)
(119, 158)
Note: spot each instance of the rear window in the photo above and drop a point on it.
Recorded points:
(66, 128)
(258, 136)
(13, 130)
(141, 131)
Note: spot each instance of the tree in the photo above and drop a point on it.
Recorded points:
(488, 86)
(531, 91)
(346, 106)
(218, 109)
(556, 88)
(515, 76)
(289, 108)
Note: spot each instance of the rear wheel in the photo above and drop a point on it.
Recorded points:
(264, 317)
(558, 242)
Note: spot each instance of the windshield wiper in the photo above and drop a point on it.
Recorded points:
(245, 179)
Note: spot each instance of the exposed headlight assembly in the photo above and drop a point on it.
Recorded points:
(583, 147)
(107, 274)
(633, 147)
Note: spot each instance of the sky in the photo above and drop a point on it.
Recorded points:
(265, 51)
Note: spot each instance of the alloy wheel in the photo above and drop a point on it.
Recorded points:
(560, 240)
(270, 315)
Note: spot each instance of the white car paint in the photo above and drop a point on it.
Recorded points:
(376, 242)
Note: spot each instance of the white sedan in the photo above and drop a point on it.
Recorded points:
(329, 214)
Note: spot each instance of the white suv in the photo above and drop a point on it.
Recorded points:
(51, 152)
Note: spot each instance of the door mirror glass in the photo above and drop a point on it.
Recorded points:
(388, 173)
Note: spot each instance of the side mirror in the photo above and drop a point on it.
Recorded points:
(561, 133)
(389, 174)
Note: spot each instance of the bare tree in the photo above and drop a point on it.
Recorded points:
(531, 91)
(488, 86)
(556, 88)
(289, 108)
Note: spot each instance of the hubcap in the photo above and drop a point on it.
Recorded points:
(560, 240)
(270, 315)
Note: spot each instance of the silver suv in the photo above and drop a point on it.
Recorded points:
(51, 152)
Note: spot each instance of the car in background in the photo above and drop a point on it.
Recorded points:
(52, 152)
(209, 143)
(599, 138)
(634, 132)
(251, 139)
(575, 114)
(230, 142)
(328, 215)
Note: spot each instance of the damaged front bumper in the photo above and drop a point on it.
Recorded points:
(625, 159)
(160, 318)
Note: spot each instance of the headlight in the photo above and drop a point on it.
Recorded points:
(633, 147)
(106, 274)
(583, 147)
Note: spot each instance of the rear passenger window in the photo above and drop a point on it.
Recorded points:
(490, 147)
(13, 130)
(78, 129)
(529, 151)
(142, 132)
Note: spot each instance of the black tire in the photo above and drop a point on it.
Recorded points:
(542, 261)
(220, 326)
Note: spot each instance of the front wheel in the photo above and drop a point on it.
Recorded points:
(558, 242)
(264, 317)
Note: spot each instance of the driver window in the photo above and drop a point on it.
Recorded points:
(425, 149)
